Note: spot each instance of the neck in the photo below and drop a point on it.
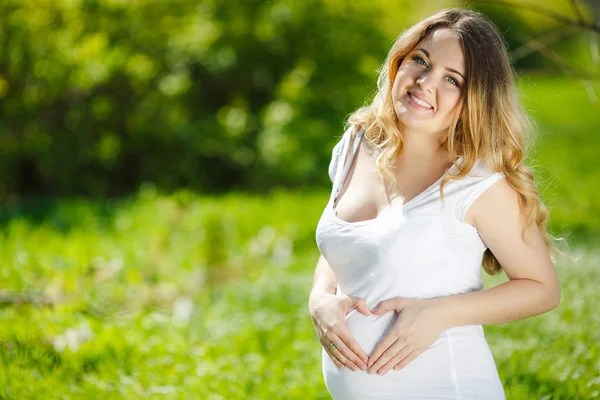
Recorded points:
(423, 149)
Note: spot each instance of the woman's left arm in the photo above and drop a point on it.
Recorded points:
(532, 290)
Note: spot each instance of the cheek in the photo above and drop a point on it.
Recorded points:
(406, 73)
(403, 80)
(450, 101)
(398, 82)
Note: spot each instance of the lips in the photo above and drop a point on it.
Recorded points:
(421, 100)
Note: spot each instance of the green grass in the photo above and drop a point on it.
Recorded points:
(123, 273)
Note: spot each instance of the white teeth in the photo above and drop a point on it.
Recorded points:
(419, 101)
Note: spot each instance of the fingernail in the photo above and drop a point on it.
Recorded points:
(383, 371)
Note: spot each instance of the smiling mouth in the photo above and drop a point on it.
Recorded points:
(418, 103)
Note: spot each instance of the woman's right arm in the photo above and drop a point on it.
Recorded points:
(328, 311)
(324, 280)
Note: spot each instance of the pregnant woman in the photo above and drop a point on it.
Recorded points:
(428, 185)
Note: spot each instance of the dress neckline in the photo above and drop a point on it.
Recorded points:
(391, 208)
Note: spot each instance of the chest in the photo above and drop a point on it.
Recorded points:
(362, 196)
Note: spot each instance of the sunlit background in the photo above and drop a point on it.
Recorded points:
(163, 165)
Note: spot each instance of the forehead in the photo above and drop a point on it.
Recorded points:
(444, 44)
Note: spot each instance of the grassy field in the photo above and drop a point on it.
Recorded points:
(188, 296)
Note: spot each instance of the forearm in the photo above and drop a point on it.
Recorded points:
(513, 300)
(324, 279)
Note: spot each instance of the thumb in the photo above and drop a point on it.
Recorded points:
(387, 305)
(361, 305)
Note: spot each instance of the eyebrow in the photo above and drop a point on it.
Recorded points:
(447, 69)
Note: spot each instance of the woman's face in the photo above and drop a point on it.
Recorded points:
(433, 72)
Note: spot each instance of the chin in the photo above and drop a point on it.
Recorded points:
(414, 123)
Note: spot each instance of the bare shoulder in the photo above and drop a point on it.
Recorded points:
(500, 198)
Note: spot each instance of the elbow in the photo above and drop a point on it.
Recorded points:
(549, 295)
(554, 297)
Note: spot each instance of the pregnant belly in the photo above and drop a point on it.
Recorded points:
(368, 330)
(459, 358)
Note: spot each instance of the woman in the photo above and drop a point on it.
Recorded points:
(428, 183)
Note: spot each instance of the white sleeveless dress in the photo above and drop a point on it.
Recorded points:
(419, 249)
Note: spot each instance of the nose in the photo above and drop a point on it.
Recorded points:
(426, 83)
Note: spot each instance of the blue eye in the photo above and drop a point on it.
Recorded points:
(418, 59)
(452, 81)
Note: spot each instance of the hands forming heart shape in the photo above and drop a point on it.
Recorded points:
(418, 325)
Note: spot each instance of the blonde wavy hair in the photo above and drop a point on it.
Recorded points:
(490, 124)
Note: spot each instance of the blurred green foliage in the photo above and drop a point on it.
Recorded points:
(100, 96)
(169, 294)
(147, 303)
(183, 295)
(564, 162)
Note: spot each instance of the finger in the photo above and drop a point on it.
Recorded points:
(386, 356)
(351, 348)
(396, 359)
(333, 358)
(385, 306)
(346, 351)
(339, 356)
(382, 346)
(347, 362)
(361, 306)
(407, 360)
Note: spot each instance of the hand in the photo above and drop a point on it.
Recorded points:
(328, 312)
(416, 329)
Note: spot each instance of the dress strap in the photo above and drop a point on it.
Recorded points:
(345, 167)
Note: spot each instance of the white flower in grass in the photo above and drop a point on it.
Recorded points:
(73, 338)
(261, 243)
(282, 252)
(109, 270)
(183, 308)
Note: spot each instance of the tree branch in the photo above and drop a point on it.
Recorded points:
(577, 11)
(556, 59)
(543, 11)
(549, 38)
(594, 47)
(562, 64)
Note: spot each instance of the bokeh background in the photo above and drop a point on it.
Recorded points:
(163, 167)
